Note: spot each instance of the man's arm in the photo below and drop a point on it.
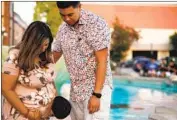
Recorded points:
(56, 56)
(101, 57)
(100, 44)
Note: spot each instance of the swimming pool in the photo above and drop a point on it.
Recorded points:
(136, 99)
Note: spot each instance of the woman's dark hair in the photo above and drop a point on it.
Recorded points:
(66, 4)
(30, 45)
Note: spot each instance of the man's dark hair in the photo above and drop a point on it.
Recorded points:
(66, 4)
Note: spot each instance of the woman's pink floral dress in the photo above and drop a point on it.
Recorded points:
(35, 89)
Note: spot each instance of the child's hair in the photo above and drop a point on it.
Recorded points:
(61, 107)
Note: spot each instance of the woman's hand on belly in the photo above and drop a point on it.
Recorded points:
(34, 114)
(46, 111)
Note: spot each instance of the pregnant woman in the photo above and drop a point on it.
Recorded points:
(28, 76)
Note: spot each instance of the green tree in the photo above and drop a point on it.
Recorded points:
(122, 38)
(173, 41)
(48, 11)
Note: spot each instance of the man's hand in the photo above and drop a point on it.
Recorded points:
(93, 104)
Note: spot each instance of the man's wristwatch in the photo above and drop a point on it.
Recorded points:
(98, 95)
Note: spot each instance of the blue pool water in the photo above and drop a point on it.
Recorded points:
(126, 91)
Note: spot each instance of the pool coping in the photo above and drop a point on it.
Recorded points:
(140, 78)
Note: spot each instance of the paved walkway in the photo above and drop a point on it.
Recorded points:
(157, 106)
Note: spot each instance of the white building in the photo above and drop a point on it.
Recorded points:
(156, 22)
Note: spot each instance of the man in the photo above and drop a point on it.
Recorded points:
(84, 40)
(152, 67)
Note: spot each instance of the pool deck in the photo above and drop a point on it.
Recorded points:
(161, 107)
